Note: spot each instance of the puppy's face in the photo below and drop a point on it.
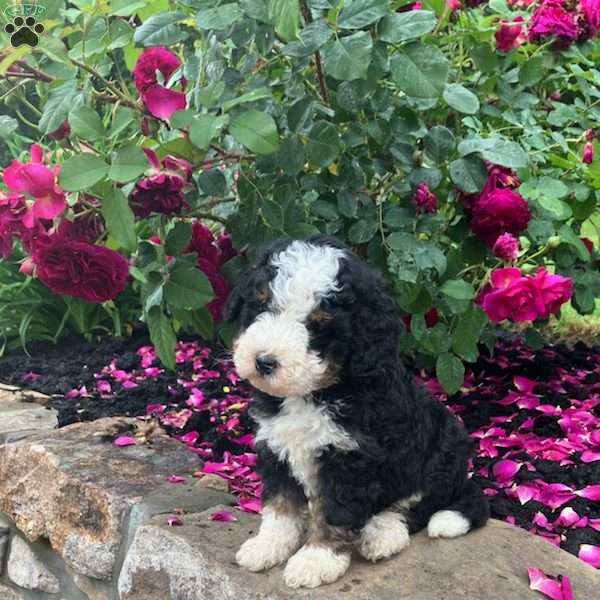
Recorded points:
(295, 326)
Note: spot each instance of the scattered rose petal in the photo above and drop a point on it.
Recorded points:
(174, 521)
(540, 582)
(223, 515)
(175, 479)
(590, 554)
(124, 440)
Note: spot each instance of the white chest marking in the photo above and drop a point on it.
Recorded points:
(298, 434)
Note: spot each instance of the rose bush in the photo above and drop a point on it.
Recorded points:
(453, 145)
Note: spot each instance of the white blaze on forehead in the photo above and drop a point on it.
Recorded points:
(306, 273)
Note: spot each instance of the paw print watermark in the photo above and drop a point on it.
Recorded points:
(23, 26)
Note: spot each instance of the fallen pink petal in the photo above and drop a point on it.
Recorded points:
(124, 440)
(225, 516)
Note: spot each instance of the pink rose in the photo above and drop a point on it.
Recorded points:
(496, 211)
(506, 247)
(591, 12)
(550, 19)
(552, 291)
(39, 182)
(453, 4)
(424, 200)
(509, 296)
(83, 270)
(588, 153)
(160, 100)
(509, 35)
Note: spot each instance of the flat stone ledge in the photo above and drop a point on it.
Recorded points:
(76, 488)
(18, 419)
(196, 562)
(13, 393)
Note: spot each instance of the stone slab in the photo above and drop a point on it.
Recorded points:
(7, 593)
(25, 416)
(13, 393)
(26, 570)
(196, 562)
(76, 488)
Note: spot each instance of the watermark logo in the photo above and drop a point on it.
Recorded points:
(23, 26)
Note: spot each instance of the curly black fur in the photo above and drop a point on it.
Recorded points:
(407, 442)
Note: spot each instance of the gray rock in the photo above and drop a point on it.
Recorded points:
(13, 393)
(7, 593)
(196, 562)
(27, 571)
(25, 416)
(76, 488)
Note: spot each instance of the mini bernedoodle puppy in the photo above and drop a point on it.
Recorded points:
(352, 453)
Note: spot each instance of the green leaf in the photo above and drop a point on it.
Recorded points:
(534, 339)
(178, 238)
(439, 143)
(420, 71)
(410, 25)
(205, 128)
(188, 288)
(125, 8)
(559, 210)
(469, 174)
(128, 163)
(497, 150)
(257, 94)
(461, 99)
(348, 58)
(285, 17)
(162, 336)
(312, 38)
(450, 372)
(458, 289)
(467, 331)
(568, 236)
(85, 123)
(257, 131)
(81, 171)
(360, 13)
(362, 231)
(532, 71)
(7, 125)
(60, 103)
(323, 144)
(160, 30)
(119, 219)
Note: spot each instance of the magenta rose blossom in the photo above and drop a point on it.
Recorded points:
(39, 182)
(506, 247)
(424, 200)
(591, 12)
(12, 211)
(509, 35)
(497, 211)
(160, 100)
(212, 254)
(509, 296)
(550, 19)
(83, 270)
(552, 291)
(162, 192)
(588, 153)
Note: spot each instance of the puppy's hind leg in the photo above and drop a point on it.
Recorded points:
(470, 511)
(384, 535)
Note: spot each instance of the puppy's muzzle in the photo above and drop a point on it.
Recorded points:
(265, 364)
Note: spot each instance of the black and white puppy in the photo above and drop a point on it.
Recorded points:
(350, 450)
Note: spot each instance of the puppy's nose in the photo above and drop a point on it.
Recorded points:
(266, 364)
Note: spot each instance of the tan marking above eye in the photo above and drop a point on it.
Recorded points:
(263, 296)
(319, 316)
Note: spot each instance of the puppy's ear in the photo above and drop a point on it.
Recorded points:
(376, 324)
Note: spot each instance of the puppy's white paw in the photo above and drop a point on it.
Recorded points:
(447, 524)
(312, 566)
(383, 536)
(263, 552)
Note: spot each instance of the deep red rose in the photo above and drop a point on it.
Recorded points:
(63, 131)
(12, 211)
(425, 200)
(431, 318)
(160, 193)
(83, 270)
(220, 286)
(496, 211)
(160, 100)
(551, 19)
(501, 177)
(588, 244)
(588, 153)
(508, 36)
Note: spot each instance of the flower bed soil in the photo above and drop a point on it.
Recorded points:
(535, 418)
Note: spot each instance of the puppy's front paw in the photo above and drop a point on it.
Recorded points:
(263, 552)
(312, 566)
(383, 536)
